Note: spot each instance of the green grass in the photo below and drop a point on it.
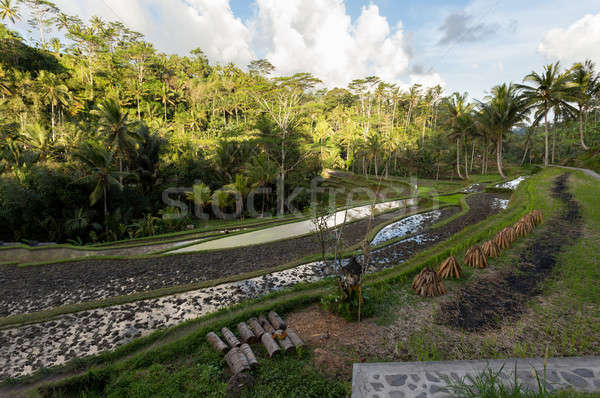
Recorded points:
(489, 384)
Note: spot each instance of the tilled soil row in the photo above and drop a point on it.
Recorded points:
(488, 301)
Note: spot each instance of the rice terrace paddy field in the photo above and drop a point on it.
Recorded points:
(510, 309)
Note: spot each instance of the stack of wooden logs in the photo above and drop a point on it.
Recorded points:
(270, 330)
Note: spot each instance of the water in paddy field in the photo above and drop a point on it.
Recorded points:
(408, 225)
(511, 184)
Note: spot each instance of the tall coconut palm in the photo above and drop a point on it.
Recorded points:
(10, 11)
(99, 163)
(545, 92)
(118, 131)
(261, 171)
(583, 83)
(53, 92)
(503, 110)
(458, 110)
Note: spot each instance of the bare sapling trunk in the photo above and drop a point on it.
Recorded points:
(546, 142)
(585, 147)
(458, 159)
(499, 154)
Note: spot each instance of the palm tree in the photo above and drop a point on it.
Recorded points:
(36, 137)
(117, 129)
(10, 11)
(547, 90)
(53, 92)
(458, 122)
(261, 171)
(99, 162)
(503, 110)
(200, 195)
(582, 81)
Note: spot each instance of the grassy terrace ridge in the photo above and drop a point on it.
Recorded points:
(168, 344)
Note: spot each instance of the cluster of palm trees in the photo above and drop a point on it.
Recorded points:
(567, 94)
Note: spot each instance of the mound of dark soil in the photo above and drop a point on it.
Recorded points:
(488, 301)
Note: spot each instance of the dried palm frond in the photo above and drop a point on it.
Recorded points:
(501, 240)
(490, 249)
(522, 229)
(428, 284)
(450, 268)
(510, 234)
(538, 216)
(475, 257)
(529, 220)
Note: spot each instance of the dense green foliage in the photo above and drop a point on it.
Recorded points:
(96, 125)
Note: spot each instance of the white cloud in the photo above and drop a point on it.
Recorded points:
(318, 36)
(578, 42)
(176, 26)
(427, 79)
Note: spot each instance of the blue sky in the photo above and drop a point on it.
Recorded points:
(464, 45)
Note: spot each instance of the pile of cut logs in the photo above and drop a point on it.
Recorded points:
(270, 330)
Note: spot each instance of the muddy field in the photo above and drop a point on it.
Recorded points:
(37, 288)
(33, 289)
(481, 206)
(488, 301)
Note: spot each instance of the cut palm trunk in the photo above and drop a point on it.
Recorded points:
(230, 338)
(284, 341)
(264, 322)
(245, 333)
(428, 284)
(238, 383)
(256, 328)
(252, 361)
(490, 249)
(237, 361)
(293, 335)
(276, 320)
(270, 345)
(216, 342)
(475, 257)
(450, 269)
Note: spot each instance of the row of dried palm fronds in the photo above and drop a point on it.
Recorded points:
(428, 283)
